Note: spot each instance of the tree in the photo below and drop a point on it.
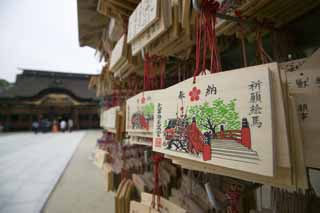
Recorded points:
(4, 84)
(209, 117)
(148, 110)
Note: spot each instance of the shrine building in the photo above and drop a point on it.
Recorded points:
(49, 95)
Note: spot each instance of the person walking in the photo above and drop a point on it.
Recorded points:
(70, 125)
(55, 127)
(1, 127)
(63, 125)
(35, 127)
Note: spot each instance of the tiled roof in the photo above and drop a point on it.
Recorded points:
(32, 82)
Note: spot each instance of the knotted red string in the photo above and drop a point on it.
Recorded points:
(242, 38)
(198, 44)
(150, 74)
(157, 158)
(205, 29)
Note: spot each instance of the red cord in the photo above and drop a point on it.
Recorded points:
(150, 74)
(157, 158)
(146, 77)
(198, 45)
(205, 24)
(162, 72)
(262, 55)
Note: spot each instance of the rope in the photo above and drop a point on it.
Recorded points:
(146, 77)
(242, 39)
(262, 56)
(205, 31)
(162, 72)
(150, 74)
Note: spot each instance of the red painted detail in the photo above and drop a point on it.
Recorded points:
(222, 134)
(170, 133)
(230, 135)
(144, 123)
(143, 99)
(158, 142)
(195, 94)
(246, 137)
(206, 152)
(195, 138)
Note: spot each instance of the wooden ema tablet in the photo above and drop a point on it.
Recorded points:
(146, 13)
(299, 169)
(120, 125)
(186, 13)
(124, 4)
(109, 182)
(185, 41)
(119, 52)
(114, 31)
(136, 207)
(126, 63)
(121, 69)
(120, 196)
(303, 79)
(281, 179)
(132, 64)
(100, 157)
(123, 196)
(167, 206)
(127, 196)
(178, 38)
(140, 115)
(138, 182)
(155, 30)
(109, 118)
(168, 37)
(178, 49)
(116, 199)
(244, 107)
(285, 178)
(308, 109)
(114, 8)
(280, 118)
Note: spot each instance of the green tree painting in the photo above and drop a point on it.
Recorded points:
(209, 117)
(148, 110)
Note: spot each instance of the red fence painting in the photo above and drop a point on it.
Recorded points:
(242, 136)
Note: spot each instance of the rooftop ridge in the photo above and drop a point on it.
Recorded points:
(54, 73)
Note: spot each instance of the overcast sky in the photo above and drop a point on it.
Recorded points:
(43, 35)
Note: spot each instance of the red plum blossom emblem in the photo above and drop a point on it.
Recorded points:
(143, 100)
(194, 94)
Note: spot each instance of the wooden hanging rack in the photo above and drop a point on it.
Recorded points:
(197, 8)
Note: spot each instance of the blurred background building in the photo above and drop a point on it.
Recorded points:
(48, 96)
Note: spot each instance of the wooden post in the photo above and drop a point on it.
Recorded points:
(245, 134)
(222, 132)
